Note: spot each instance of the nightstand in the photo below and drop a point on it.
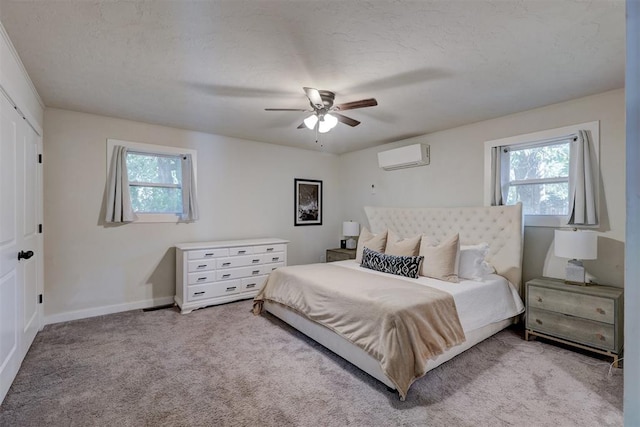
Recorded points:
(340, 254)
(587, 317)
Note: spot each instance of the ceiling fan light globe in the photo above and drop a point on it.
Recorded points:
(310, 122)
(330, 120)
(324, 126)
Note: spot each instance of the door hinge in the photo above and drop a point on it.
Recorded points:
(40, 299)
(39, 158)
(40, 228)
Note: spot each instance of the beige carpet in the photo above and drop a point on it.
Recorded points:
(222, 366)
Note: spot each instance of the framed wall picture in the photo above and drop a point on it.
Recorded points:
(308, 202)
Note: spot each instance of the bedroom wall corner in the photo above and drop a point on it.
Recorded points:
(245, 189)
(632, 290)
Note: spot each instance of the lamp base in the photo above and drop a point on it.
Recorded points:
(574, 273)
(351, 243)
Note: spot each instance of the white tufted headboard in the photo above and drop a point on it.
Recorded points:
(499, 226)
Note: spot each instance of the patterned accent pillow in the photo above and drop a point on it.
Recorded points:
(407, 266)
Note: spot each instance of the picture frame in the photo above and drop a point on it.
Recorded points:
(307, 202)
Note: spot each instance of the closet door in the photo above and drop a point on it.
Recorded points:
(20, 243)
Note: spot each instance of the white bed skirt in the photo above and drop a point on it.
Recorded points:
(362, 359)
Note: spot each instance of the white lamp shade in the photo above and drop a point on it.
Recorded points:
(576, 244)
(350, 228)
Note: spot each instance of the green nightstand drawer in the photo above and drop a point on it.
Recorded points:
(566, 302)
(596, 334)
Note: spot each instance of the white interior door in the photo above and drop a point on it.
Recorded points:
(20, 242)
(29, 148)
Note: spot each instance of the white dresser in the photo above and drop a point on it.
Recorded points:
(209, 273)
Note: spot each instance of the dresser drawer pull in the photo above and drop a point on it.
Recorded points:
(251, 285)
(255, 261)
(539, 322)
(231, 288)
(601, 311)
(226, 264)
(255, 272)
(198, 293)
(539, 299)
(208, 254)
(275, 258)
(225, 276)
(242, 252)
(201, 278)
(202, 266)
(601, 337)
(270, 249)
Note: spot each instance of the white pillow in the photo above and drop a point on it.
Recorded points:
(472, 264)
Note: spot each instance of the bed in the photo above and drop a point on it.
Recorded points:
(484, 305)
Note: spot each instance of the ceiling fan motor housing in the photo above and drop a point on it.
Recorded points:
(327, 98)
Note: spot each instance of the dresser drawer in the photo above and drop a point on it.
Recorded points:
(239, 261)
(268, 249)
(238, 273)
(271, 258)
(212, 290)
(201, 277)
(596, 334)
(268, 268)
(241, 250)
(253, 283)
(580, 305)
(201, 265)
(208, 253)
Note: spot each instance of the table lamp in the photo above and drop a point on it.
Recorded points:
(576, 245)
(350, 229)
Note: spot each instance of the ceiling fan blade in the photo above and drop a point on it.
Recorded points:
(346, 120)
(371, 102)
(301, 126)
(314, 97)
(284, 109)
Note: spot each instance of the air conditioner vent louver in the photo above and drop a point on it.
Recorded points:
(408, 156)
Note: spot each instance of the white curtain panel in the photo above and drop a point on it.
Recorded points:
(582, 185)
(189, 202)
(119, 207)
(498, 182)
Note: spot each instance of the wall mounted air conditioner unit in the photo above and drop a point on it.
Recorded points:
(404, 157)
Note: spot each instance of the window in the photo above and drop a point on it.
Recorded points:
(155, 179)
(535, 169)
(538, 176)
(155, 182)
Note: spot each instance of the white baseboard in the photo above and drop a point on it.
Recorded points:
(108, 309)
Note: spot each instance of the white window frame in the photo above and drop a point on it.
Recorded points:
(529, 139)
(140, 147)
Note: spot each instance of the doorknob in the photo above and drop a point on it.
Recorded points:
(24, 255)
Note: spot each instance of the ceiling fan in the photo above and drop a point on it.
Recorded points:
(324, 115)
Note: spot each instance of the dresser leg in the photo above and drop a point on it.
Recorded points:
(615, 360)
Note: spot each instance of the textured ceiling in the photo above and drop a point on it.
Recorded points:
(214, 66)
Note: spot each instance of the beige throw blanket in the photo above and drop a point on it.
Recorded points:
(399, 323)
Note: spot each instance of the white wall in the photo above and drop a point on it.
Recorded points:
(245, 189)
(455, 177)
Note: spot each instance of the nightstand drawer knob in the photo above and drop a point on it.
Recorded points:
(539, 299)
(601, 311)
(539, 322)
